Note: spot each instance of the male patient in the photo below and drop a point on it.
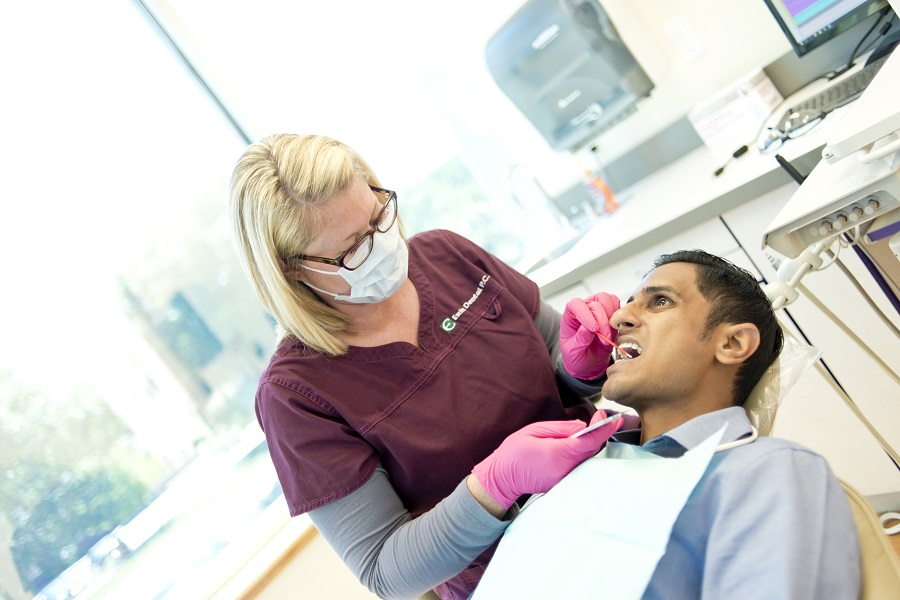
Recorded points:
(767, 518)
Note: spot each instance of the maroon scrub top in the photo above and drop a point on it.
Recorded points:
(427, 413)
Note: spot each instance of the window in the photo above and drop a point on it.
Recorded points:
(131, 463)
(129, 452)
(407, 86)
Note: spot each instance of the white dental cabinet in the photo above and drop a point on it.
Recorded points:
(684, 206)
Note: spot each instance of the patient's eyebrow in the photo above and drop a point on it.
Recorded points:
(651, 290)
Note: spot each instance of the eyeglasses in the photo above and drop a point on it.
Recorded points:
(356, 255)
(794, 126)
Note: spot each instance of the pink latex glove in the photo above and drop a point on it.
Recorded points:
(533, 459)
(585, 355)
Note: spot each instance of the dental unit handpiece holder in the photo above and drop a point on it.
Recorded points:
(783, 291)
(857, 181)
(854, 187)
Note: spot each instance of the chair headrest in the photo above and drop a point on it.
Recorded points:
(762, 404)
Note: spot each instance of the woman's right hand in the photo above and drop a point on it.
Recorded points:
(533, 459)
(585, 353)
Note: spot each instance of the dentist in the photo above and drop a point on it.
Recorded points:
(414, 394)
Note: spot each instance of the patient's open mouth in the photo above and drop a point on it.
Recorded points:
(626, 350)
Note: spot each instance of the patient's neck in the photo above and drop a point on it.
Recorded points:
(659, 419)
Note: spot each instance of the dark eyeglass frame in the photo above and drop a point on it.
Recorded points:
(771, 139)
(369, 235)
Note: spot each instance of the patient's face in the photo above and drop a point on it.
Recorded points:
(664, 319)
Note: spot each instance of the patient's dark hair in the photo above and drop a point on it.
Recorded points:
(735, 297)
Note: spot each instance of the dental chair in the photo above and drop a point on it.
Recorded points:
(880, 565)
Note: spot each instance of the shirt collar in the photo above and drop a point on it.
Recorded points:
(689, 435)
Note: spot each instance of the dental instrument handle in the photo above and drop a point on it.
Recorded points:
(596, 425)
(611, 343)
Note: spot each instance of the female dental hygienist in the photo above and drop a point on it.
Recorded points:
(413, 397)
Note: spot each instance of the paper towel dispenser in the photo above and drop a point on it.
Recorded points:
(564, 65)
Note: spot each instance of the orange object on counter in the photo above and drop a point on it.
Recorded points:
(603, 197)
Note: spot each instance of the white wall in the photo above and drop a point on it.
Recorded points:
(733, 37)
(430, 58)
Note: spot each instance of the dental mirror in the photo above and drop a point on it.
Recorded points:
(596, 425)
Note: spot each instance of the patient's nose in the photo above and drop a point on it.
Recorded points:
(623, 318)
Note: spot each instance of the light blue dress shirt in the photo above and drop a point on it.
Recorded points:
(767, 520)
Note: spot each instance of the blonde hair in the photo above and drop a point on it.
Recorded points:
(278, 189)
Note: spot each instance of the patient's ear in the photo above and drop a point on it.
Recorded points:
(736, 343)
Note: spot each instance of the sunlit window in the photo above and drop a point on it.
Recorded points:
(130, 456)
(406, 85)
(131, 463)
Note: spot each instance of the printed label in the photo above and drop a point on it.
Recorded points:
(450, 322)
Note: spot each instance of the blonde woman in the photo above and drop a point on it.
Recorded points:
(413, 398)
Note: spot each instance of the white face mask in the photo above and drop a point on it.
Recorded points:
(380, 276)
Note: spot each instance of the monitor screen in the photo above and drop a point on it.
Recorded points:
(810, 23)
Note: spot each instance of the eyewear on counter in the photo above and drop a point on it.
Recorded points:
(356, 255)
(796, 125)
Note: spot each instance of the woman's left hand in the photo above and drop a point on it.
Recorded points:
(533, 459)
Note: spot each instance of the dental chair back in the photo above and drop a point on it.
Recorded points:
(880, 563)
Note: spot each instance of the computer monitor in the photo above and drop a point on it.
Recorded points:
(810, 23)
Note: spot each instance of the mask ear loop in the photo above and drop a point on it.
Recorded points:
(291, 272)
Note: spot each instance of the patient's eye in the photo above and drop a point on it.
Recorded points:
(660, 300)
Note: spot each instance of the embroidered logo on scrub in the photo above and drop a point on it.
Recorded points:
(449, 324)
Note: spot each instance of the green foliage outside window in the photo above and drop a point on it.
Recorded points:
(73, 515)
(68, 477)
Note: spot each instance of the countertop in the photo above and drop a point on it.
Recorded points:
(683, 194)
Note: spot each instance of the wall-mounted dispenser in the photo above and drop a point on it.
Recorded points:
(564, 65)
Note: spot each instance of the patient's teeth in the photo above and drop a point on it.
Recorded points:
(628, 350)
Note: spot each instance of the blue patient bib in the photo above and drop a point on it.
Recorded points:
(600, 532)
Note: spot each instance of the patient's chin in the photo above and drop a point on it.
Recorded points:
(613, 392)
(621, 389)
